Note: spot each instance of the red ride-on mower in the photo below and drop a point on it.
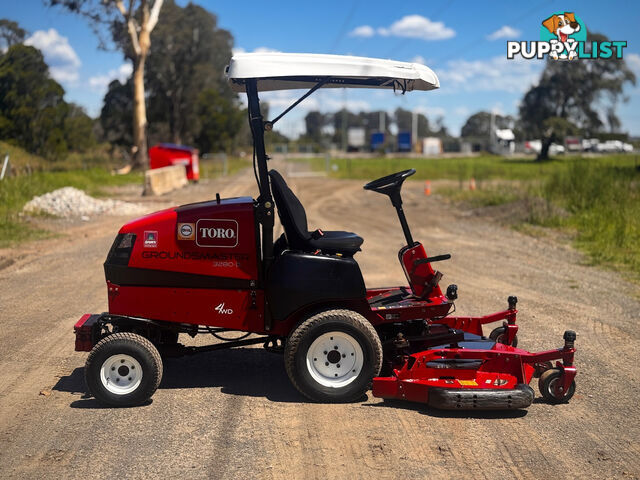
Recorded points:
(213, 267)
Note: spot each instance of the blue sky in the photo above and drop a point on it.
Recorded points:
(464, 42)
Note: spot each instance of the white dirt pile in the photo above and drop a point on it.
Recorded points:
(70, 202)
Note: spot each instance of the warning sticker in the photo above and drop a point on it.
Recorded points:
(150, 239)
(468, 383)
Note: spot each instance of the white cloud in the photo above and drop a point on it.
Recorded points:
(504, 32)
(325, 100)
(492, 74)
(430, 111)
(497, 109)
(417, 26)
(62, 59)
(419, 59)
(633, 61)
(99, 83)
(265, 50)
(236, 50)
(364, 31)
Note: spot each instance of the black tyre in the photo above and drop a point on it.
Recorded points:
(547, 383)
(123, 370)
(333, 356)
(499, 335)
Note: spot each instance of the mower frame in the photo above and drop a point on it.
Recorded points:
(425, 349)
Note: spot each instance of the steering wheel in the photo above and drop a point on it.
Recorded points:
(386, 184)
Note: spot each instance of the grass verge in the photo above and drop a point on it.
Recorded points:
(595, 199)
(16, 191)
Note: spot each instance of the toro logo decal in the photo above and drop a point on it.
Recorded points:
(211, 232)
(186, 231)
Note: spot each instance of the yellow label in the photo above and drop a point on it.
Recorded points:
(468, 383)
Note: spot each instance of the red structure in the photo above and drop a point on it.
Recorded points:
(167, 154)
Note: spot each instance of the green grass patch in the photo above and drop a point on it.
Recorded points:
(16, 191)
(496, 194)
(486, 167)
(481, 168)
(90, 172)
(214, 168)
(603, 200)
(595, 199)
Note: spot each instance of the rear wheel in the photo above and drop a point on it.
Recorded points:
(548, 383)
(123, 370)
(499, 335)
(333, 356)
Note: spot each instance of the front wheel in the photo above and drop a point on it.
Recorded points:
(123, 370)
(333, 356)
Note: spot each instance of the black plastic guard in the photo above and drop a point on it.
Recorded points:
(296, 280)
(481, 399)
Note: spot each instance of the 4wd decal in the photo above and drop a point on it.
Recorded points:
(211, 232)
(224, 311)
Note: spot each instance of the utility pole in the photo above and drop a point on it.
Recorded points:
(344, 119)
(492, 132)
(414, 129)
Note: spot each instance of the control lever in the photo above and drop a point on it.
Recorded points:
(437, 258)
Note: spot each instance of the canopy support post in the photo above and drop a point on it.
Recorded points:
(290, 107)
(264, 208)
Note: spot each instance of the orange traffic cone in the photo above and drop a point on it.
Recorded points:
(472, 184)
(427, 188)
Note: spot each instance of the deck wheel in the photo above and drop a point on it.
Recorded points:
(499, 335)
(549, 386)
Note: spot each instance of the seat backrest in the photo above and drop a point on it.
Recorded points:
(291, 212)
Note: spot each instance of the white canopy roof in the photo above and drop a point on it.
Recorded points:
(285, 71)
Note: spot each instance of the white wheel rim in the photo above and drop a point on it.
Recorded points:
(121, 374)
(335, 359)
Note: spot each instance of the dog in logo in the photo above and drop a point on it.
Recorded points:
(562, 25)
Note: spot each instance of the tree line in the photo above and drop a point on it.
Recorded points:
(571, 98)
(178, 93)
(179, 69)
(33, 112)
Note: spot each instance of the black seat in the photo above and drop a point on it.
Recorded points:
(294, 220)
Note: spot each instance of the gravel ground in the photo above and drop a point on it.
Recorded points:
(234, 414)
(70, 202)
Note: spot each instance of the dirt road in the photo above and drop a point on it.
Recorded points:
(233, 414)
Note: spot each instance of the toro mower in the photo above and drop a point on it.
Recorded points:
(214, 267)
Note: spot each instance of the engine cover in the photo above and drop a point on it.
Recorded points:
(197, 263)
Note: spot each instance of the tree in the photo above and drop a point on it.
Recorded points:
(116, 116)
(574, 95)
(221, 120)
(32, 110)
(479, 124)
(10, 34)
(404, 121)
(78, 129)
(315, 122)
(189, 56)
(131, 28)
